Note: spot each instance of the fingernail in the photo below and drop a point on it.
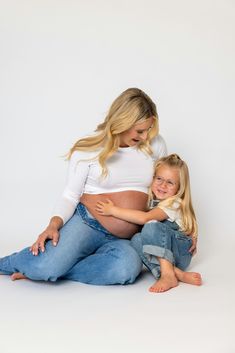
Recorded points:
(54, 243)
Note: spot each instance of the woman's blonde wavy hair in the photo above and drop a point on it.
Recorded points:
(188, 215)
(133, 106)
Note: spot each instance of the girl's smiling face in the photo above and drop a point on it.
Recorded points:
(166, 182)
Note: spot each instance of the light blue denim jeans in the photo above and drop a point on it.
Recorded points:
(86, 252)
(162, 239)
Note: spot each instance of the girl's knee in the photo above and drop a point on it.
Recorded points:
(153, 232)
(153, 226)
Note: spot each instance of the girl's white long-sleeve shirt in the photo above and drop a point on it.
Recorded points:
(128, 169)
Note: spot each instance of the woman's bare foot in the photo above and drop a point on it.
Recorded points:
(188, 277)
(17, 275)
(165, 283)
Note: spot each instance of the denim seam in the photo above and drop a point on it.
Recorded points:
(93, 223)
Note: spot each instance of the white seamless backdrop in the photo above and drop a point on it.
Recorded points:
(63, 62)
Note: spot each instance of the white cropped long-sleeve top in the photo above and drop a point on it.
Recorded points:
(128, 169)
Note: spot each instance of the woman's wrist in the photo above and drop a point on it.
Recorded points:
(55, 223)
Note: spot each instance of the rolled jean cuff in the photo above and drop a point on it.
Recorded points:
(6, 266)
(153, 251)
(156, 272)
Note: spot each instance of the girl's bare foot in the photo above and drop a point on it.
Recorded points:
(164, 283)
(188, 277)
(17, 275)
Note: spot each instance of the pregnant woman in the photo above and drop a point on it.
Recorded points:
(115, 163)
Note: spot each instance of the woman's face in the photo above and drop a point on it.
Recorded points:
(136, 134)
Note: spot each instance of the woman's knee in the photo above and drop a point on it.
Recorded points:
(128, 265)
(136, 242)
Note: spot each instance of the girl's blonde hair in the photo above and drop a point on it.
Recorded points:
(188, 215)
(133, 106)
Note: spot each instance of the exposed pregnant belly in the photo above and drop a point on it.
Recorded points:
(127, 199)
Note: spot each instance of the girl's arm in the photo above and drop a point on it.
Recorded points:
(129, 215)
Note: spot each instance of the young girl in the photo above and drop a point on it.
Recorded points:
(168, 239)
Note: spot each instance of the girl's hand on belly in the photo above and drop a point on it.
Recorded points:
(105, 208)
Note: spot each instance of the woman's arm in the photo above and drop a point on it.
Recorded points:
(130, 215)
(79, 165)
(77, 174)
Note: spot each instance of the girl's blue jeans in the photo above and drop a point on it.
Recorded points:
(164, 240)
(86, 252)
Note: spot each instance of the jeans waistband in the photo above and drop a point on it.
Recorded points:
(90, 220)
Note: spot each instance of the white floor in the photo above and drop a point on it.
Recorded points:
(73, 317)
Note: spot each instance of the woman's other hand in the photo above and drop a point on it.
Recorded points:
(50, 233)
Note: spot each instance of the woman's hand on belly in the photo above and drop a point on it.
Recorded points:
(126, 199)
